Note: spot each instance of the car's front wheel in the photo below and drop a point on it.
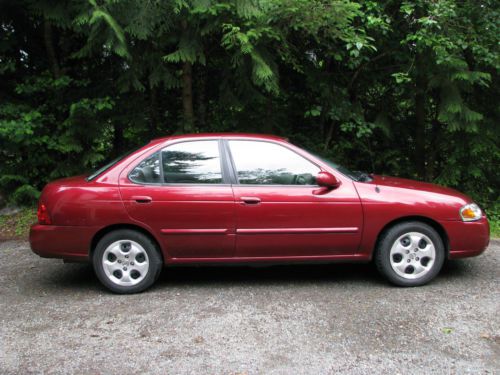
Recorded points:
(127, 261)
(410, 254)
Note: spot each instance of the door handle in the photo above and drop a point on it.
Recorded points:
(250, 200)
(142, 199)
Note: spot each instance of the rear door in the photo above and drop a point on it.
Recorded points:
(182, 193)
(278, 213)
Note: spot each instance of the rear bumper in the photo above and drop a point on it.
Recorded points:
(467, 239)
(67, 242)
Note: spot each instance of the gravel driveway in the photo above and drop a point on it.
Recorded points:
(322, 319)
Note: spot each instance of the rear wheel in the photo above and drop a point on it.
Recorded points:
(126, 261)
(410, 254)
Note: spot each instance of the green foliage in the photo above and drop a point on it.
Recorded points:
(25, 195)
(494, 219)
(9, 183)
(404, 88)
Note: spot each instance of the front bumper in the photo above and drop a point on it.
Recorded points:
(67, 242)
(467, 239)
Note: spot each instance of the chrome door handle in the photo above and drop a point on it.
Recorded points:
(250, 200)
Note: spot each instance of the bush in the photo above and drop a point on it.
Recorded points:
(10, 182)
(25, 195)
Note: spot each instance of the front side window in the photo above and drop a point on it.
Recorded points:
(265, 163)
(148, 171)
(196, 162)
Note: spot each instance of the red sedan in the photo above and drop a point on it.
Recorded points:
(242, 198)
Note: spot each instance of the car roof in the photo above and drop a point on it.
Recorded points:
(220, 135)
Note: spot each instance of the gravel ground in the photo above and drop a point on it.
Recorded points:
(322, 319)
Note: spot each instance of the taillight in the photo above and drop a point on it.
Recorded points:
(43, 214)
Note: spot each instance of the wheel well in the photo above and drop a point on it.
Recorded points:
(101, 233)
(434, 224)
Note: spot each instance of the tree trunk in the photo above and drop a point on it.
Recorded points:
(433, 150)
(201, 107)
(187, 90)
(329, 135)
(325, 108)
(118, 141)
(267, 125)
(154, 113)
(420, 115)
(49, 46)
(187, 96)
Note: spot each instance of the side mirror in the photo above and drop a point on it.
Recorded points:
(327, 180)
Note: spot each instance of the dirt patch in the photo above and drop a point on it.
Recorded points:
(15, 223)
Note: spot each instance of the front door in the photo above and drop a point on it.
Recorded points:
(278, 213)
(181, 193)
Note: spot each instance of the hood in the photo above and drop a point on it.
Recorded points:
(416, 185)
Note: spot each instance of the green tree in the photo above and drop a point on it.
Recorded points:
(408, 88)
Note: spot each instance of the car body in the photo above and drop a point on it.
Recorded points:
(225, 198)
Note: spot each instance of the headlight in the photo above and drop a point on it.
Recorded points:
(470, 212)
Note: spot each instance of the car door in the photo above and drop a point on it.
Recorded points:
(281, 212)
(182, 194)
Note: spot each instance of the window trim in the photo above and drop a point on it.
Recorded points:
(230, 163)
(235, 170)
(224, 177)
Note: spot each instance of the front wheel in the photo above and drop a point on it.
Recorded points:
(410, 254)
(126, 261)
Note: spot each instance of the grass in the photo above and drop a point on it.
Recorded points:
(493, 214)
(494, 226)
(17, 225)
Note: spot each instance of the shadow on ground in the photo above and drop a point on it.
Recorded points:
(81, 276)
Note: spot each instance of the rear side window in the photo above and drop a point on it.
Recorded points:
(148, 171)
(265, 163)
(196, 162)
(104, 168)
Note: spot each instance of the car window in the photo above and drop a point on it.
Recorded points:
(265, 163)
(148, 171)
(196, 162)
(107, 166)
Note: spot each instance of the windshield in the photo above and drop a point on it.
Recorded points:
(354, 175)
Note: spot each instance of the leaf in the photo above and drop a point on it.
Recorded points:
(313, 112)
(401, 77)
(447, 330)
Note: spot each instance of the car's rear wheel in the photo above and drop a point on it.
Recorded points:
(410, 254)
(127, 261)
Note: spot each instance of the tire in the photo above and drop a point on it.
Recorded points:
(126, 261)
(410, 254)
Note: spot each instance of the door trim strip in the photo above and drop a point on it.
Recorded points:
(297, 230)
(195, 231)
